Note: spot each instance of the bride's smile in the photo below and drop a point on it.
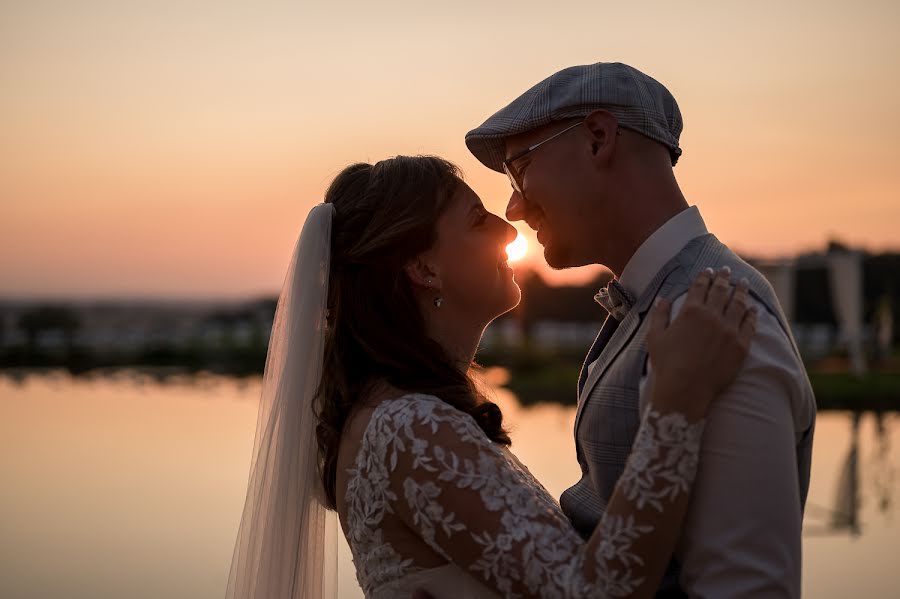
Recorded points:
(468, 265)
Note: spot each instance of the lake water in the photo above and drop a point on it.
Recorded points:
(125, 487)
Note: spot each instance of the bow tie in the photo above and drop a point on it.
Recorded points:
(615, 299)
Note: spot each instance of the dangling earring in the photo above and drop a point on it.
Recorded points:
(438, 300)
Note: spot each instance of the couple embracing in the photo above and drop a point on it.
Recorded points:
(695, 415)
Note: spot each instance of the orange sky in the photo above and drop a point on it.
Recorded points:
(171, 148)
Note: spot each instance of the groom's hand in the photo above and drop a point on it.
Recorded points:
(420, 594)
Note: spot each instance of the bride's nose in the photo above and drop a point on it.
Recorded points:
(509, 231)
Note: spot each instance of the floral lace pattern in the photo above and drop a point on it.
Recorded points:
(425, 466)
(653, 476)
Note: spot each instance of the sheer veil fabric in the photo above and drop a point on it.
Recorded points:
(286, 544)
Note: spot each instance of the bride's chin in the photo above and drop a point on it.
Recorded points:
(506, 297)
(515, 293)
(512, 295)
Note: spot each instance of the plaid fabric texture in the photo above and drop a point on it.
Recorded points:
(608, 416)
(638, 101)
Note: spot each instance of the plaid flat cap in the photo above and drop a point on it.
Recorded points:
(638, 101)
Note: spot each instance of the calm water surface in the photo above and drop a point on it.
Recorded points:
(125, 487)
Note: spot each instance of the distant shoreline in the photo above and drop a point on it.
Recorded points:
(554, 383)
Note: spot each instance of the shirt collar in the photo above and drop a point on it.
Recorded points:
(661, 247)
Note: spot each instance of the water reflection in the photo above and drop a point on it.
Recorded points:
(132, 484)
(883, 469)
(844, 514)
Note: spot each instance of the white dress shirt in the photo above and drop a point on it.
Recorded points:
(741, 537)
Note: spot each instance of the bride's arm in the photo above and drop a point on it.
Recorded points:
(464, 497)
(700, 358)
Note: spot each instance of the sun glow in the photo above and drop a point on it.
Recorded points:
(517, 249)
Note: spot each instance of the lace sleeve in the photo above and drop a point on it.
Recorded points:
(468, 500)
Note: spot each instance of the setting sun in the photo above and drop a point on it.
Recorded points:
(516, 250)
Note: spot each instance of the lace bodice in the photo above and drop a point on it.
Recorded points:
(425, 467)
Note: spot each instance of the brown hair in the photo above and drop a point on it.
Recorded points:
(385, 215)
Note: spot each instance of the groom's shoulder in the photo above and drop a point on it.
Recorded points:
(708, 252)
(705, 251)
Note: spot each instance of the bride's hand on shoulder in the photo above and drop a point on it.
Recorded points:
(700, 352)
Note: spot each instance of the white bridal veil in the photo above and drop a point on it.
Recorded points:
(286, 546)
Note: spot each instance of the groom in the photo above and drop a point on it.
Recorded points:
(589, 153)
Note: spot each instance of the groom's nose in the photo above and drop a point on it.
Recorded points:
(515, 209)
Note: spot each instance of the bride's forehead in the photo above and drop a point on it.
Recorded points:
(464, 198)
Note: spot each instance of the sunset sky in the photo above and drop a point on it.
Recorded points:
(172, 148)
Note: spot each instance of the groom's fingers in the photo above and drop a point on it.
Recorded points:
(700, 287)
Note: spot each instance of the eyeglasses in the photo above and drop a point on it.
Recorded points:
(515, 177)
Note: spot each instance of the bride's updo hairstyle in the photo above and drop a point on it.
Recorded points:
(385, 215)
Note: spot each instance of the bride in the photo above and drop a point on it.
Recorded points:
(369, 410)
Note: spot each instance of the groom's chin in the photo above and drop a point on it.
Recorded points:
(559, 258)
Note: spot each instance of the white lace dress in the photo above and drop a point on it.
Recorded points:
(426, 472)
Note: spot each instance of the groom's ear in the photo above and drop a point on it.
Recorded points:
(422, 273)
(602, 128)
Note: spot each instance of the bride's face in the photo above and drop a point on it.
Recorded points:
(470, 258)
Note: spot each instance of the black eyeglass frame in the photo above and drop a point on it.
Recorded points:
(511, 171)
(513, 174)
